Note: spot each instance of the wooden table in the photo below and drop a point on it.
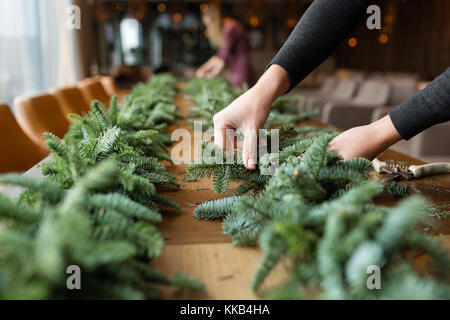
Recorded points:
(200, 248)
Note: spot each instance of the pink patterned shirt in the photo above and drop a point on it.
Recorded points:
(235, 52)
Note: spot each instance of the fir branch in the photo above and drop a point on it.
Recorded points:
(125, 206)
(56, 145)
(215, 209)
(107, 143)
(397, 190)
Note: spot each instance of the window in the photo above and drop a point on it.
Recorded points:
(28, 47)
(130, 31)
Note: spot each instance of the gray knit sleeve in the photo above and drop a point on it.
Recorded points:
(427, 108)
(318, 33)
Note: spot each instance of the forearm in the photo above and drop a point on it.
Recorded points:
(429, 107)
(318, 33)
(272, 84)
(384, 133)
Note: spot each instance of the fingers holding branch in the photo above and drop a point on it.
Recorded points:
(249, 154)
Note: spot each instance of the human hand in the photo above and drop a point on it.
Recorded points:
(249, 113)
(366, 141)
(201, 72)
(216, 67)
(213, 67)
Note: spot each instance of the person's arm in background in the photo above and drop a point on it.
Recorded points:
(216, 64)
(318, 33)
(427, 108)
(213, 67)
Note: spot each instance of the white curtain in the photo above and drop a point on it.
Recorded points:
(67, 74)
(32, 45)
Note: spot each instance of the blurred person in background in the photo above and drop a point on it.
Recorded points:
(233, 52)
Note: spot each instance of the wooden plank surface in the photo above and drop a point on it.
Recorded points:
(200, 248)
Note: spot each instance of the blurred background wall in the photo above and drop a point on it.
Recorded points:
(415, 34)
(131, 38)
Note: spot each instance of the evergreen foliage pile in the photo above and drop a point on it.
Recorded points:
(317, 212)
(212, 95)
(215, 163)
(150, 104)
(107, 235)
(96, 136)
(97, 208)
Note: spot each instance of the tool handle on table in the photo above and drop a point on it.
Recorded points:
(377, 165)
(430, 169)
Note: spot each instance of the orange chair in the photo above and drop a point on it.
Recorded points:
(111, 88)
(18, 153)
(71, 100)
(92, 89)
(39, 114)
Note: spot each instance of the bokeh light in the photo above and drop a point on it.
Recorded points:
(161, 7)
(388, 19)
(177, 17)
(352, 42)
(383, 38)
(204, 7)
(291, 22)
(254, 21)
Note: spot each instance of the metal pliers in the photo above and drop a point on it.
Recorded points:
(396, 170)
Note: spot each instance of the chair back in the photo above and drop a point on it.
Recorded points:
(39, 114)
(402, 90)
(328, 85)
(19, 153)
(92, 89)
(344, 89)
(432, 142)
(71, 100)
(373, 93)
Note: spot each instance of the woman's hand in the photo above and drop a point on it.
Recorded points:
(212, 68)
(366, 141)
(249, 113)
